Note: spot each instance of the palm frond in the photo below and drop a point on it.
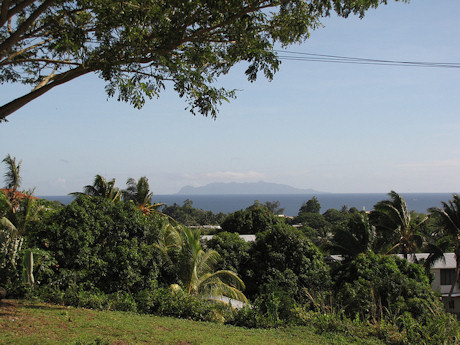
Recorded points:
(12, 176)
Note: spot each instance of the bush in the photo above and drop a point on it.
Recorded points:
(106, 244)
(252, 220)
(284, 261)
(372, 285)
(165, 302)
(233, 250)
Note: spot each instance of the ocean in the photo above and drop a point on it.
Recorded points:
(419, 202)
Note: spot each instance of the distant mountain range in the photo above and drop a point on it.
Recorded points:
(244, 188)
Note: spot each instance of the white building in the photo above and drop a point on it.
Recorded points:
(444, 275)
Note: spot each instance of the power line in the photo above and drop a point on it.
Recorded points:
(311, 57)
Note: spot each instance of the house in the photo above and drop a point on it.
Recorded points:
(444, 276)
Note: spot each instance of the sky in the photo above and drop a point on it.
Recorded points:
(339, 128)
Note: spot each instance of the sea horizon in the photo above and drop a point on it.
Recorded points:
(227, 203)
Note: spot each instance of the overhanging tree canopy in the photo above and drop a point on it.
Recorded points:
(139, 46)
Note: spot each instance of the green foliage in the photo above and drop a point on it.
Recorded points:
(254, 219)
(18, 211)
(449, 236)
(12, 176)
(141, 47)
(233, 250)
(102, 188)
(356, 237)
(274, 207)
(373, 286)
(283, 260)
(311, 206)
(335, 217)
(189, 215)
(81, 296)
(397, 229)
(93, 240)
(196, 268)
(178, 304)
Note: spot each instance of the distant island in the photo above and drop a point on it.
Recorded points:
(244, 188)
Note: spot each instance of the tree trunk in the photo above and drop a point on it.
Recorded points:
(18, 103)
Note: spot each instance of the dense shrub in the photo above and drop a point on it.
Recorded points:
(166, 302)
(372, 285)
(284, 262)
(254, 219)
(233, 250)
(189, 215)
(104, 244)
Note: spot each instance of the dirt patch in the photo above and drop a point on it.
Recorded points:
(9, 310)
(8, 307)
(20, 318)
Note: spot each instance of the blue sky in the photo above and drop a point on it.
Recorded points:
(331, 127)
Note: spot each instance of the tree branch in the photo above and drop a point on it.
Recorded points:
(4, 12)
(15, 10)
(48, 61)
(230, 20)
(46, 79)
(14, 38)
(12, 56)
(18, 103)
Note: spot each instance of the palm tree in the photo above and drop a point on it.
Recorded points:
(14, 224)
(20, 211)
(196, 266)
(449, 216)
(198, 275)
(395, 226)
(13, 179)
(101, 188)
(358, 236)
(139, 192)
(12, 176)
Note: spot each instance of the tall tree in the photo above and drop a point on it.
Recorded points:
(12, 176)
(358, 236)
(139, 46)
(139, 192)
(449, 215)
(395, 226)
(17, 211)
(102, 188)
(310, 206)
(12, 180)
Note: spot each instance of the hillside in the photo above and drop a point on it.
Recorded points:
(31, 323)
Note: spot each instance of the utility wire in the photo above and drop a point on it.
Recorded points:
(310, 57)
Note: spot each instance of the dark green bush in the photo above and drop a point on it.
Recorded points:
(372, 285)
(233, 250)
(93, 240)
(252, 220)
(284, 261)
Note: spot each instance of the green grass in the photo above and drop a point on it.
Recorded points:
(23, 322)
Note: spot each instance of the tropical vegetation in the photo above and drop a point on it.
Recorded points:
(115, 249)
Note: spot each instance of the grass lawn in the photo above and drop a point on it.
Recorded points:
(24, 322)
